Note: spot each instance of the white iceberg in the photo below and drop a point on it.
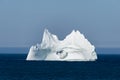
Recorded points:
(75, 47)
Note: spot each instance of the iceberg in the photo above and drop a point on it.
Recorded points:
(75, 47)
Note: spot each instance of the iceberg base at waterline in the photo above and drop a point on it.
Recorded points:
(75, 47)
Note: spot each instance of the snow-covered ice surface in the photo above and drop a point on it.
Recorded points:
(75, 47)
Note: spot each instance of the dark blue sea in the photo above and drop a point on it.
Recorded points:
(13, 66)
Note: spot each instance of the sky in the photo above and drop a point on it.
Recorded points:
(22, 22)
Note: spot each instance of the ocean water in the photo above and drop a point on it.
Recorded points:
(13, 66)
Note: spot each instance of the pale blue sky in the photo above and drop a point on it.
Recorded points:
(22, 21)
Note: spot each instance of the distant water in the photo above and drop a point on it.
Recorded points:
(15, 67)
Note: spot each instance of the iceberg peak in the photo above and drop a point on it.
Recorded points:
(75, 47)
